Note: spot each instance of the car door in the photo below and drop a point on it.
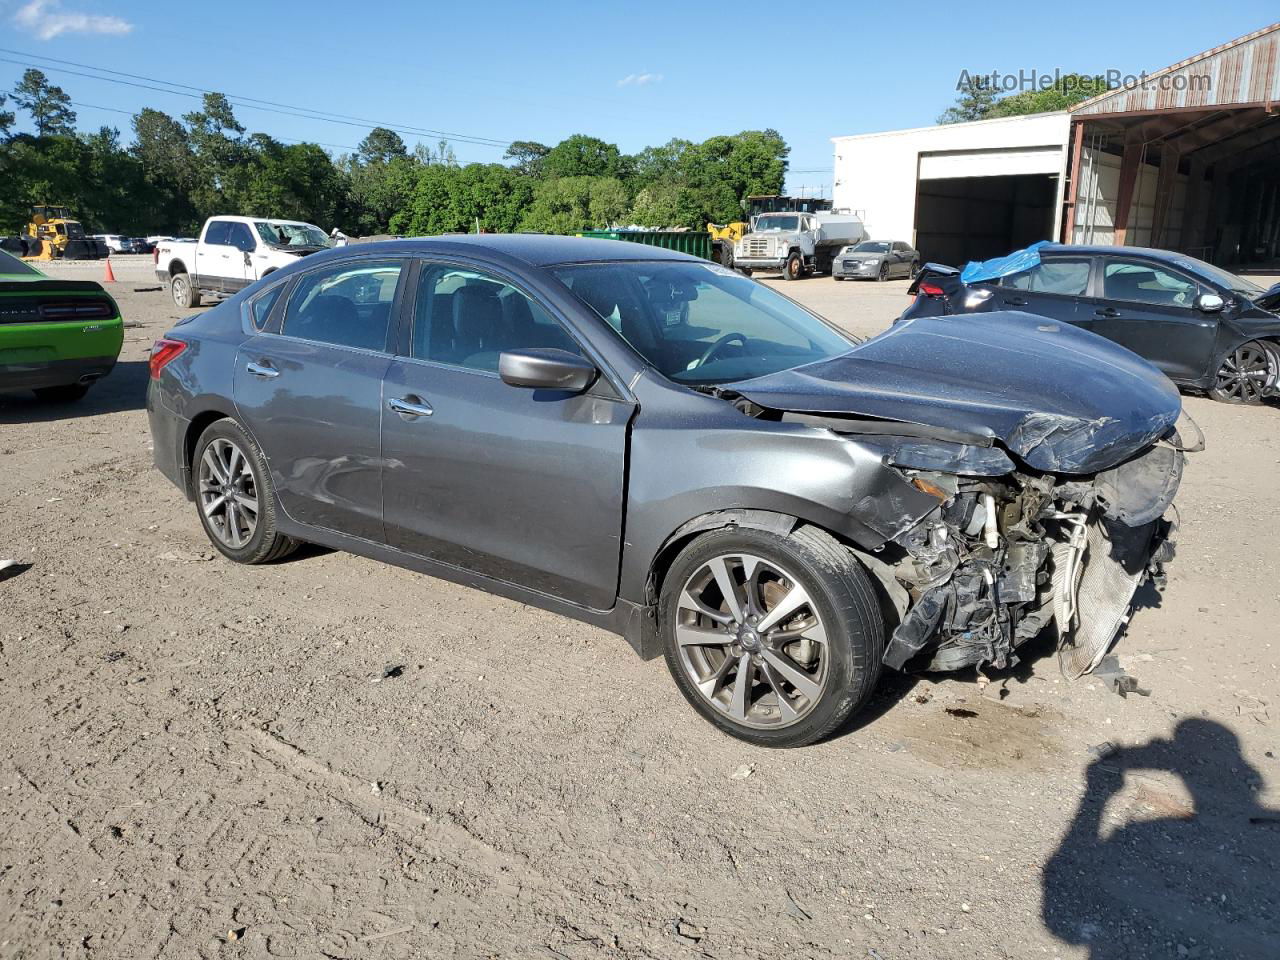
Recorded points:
(214, 256)
(1151, 309)
(1052, 288)
(525, 486)
(309, 388)
(239, 268)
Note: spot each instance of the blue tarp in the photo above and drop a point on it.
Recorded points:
(1014, 262)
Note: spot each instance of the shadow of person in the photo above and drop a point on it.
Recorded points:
(1194, 881)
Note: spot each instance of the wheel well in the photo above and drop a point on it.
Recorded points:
(176, 267)
(196, 427)
(779, 523)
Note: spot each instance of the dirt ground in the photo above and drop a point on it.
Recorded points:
(205, 760)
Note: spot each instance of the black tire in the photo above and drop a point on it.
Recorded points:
(914, 271)
(883, 275)
(745, 271)
(66, 393)
(842, 598)
(265, 544)
(184, 294)
(836, 276)
(793, 269)
(1246, 373)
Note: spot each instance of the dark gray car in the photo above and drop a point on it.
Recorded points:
(661, 447)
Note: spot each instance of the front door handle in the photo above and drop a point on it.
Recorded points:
(1107, 312)
(1015, 302)
(410, 406)
(263, 370)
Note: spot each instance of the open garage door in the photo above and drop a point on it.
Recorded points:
(959, 219)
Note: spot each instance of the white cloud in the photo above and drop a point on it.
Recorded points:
(46, 20)
(640, 79)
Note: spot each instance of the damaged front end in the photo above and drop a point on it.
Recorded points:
(1004, 557)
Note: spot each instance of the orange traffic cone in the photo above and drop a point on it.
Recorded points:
(109, 276)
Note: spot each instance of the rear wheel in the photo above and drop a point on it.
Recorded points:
(67, 393)
(234, 495)
(184, 294)
(1245, 374)
(793, 269)
(774, 639)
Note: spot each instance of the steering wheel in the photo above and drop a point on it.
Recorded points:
(712, 350)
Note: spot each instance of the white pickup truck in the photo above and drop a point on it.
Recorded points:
(232, 253)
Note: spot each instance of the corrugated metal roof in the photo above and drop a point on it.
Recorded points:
(1246, 70)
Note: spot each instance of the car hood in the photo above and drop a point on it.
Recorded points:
(1062, 399)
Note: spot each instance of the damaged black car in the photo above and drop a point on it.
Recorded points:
(671, 451)
(1208, 329)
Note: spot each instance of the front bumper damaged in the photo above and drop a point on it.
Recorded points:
(1004, 560)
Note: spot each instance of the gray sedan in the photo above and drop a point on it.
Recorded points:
(668, 450)
(876, 260)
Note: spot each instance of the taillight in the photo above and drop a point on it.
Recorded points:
(162, 351)
(155, 255)
(87, 309)
(931, 290)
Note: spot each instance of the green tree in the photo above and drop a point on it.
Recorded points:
(381, 146)
(293, 182)
(656, 206)
(583, 156)
(718, 174)
(528, 156)
(48, 105)
(163, 151)
(6, 117)
(453, 199)
(221, 155)
(977, 94)
(1067, 91)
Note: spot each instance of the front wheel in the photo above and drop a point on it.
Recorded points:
(883, 275)
(793, 269)
(184, 294)
(1245, 375)
(234, 495)
(774, 639)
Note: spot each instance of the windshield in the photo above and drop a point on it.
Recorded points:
(698, 323)
(1222, 278)
(291, 234)
(872, 246)
(776, 222)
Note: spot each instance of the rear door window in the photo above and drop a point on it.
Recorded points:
(347, 304)
(217, 232)
(1065, 277)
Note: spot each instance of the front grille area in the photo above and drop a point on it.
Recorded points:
(758, 247)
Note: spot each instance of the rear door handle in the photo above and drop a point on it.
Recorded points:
(263, 370)
(410, 406)
(1107, 312)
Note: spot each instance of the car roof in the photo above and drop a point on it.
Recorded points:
(1151, 253)
(534, 249)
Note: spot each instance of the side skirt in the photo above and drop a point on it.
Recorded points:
(634, 622)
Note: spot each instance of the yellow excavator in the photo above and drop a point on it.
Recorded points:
(53, 234)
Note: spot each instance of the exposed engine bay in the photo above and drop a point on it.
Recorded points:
(1004, 558)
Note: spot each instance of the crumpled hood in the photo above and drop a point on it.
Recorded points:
(1063, 399)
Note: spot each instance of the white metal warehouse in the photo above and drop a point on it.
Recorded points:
(1189, 159)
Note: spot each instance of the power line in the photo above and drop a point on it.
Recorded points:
(250, 103)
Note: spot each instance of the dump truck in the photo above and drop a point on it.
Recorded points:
(796, 244)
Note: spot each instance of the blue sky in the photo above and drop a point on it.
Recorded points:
(634, 74)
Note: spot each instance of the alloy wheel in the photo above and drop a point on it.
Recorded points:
(1244, 374)
(228, 493)
(751, 640)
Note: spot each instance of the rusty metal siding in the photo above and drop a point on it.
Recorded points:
(1246, 70)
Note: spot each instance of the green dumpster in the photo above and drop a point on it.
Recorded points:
(696, 243)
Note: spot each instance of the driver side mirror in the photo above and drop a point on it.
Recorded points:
(1209, 303)
(546, 369)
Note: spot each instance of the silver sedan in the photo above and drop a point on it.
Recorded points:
(876, 260)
